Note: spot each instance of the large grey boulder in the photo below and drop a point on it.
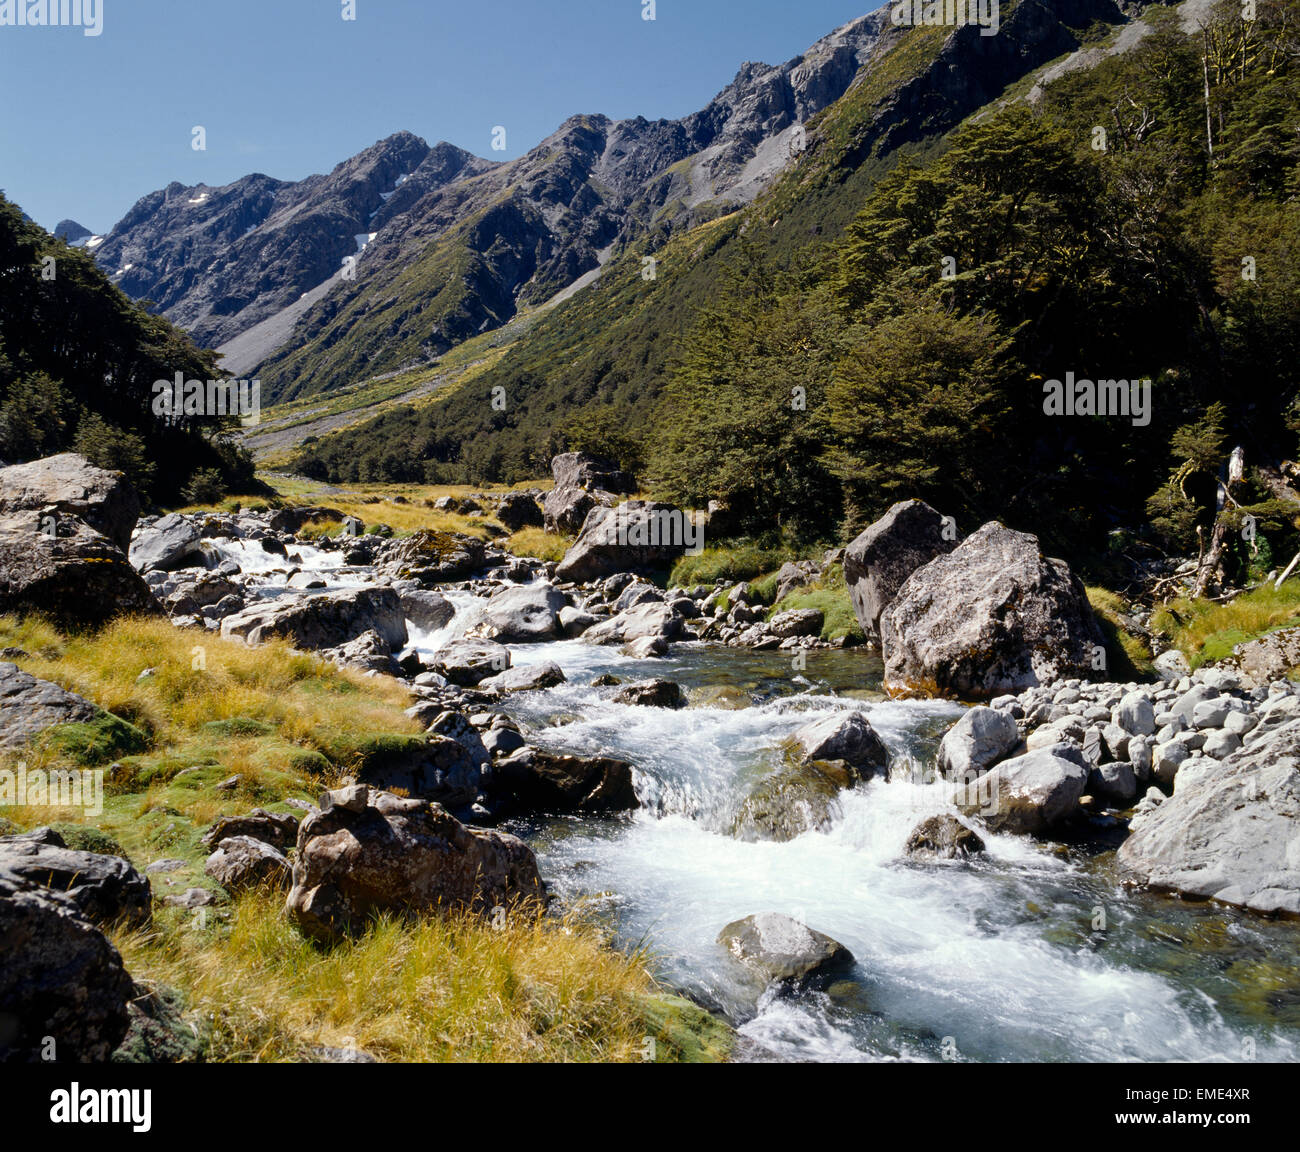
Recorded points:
(1230, 833)
(1032, 794)
(279, 829)
(241, 864)
(324, 620)
(59, 977)
(991, 617)
(564, 510)
(76, 576)
(981, 738)
(794, 799)
(170, 542)
(436, 767)
(426, 609)
(582, 470)
(635, 536)
(72, 486)
(846, 736)
(540, 781)
(942, 838)
(522, 614)
(469, 662)
(105, 889)
(797, 622)
(29, 706)
(519, 510)
(525, 678)
(878, 561)
(781, 951)
(376, 852)
(1271, 656)
(432, 557)
(648, 621)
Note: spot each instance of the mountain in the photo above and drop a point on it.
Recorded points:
(72, 232)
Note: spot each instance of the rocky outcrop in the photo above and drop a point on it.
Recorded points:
(59, 977)
(315, 622)
(367, 852)
(431, 557)
(781, 951)
(522, 614)
(992, 616)
(167, 543)
(540, 781)
(880, 560)
(434, 767)
(1271, 656)
(74, 576)
(1231, 830)
(29, 706)
(106, 890)
(70, 485)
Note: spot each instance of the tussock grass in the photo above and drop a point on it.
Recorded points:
(538, 543)
(830, 594)
(739, 560)
(1205, 631)
(434, 989)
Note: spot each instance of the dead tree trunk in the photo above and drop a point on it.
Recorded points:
(1211, 562)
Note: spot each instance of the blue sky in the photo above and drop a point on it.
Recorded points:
(287, 87)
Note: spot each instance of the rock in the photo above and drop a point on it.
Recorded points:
(279, 829)
(290, 521)
(797, 622)
(432, 557)
(546, 782)
(72, 486)
(650, 620)
(1114, 783)
(592, 473)
(468, 662)
(1229, 834)
(105, 889)
(784, 952)
(634, 536)
(170, 542)
(575, 621)
(1269, 657)
(370, 652)
(1166, 758)
(241, 863)
(59, 977)
(792, 575)
(1171, 665)
(657, 693)
(327, 620)
(942, 838)
(29, 706)
(519, 510)
(1135, 715)
(521, 614)
(846, 736)
(877, 563)
(502, 742)
(565, 510)
(992, 616)
(1211, 713)
(646, 647)
(438, 767)
(795, 799)
(981, 738)
(526, 678)
(1030, 794)
(1221, 743)
(77, 578)
(402, 855)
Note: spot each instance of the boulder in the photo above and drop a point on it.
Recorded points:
(880, 560)
(846, 736)
(981, 738)
(105, 889)
(522, 613)
(797, 622)
(565, 510)
(792, 575)
(525, 678)
(547, 782)
(29, 706)
(78, 578)
(59, 977)
(436, 767)
(72, 486)
(657, 693)
(990, 617)
(782, 951)
(325, 620)
(519, 510)
(279, 829)
(457, 726)
(942, 838)
(165, 544)
(1270, 657)
(382, 853)
(1115, 783)
(795, 799)
(468, 662)
(1135, 714)
(634, 536)
(1230, 834)
(241, 864)
(431, 557)
(648, 621)
(582, 470)
(290, 521)
(1031, 794)
(425, 609)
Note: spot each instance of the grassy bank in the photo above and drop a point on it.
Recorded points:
(206, 728)
(1205, 631)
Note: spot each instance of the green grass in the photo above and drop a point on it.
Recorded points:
(830, 595)
(1205, 631)
(739, 560)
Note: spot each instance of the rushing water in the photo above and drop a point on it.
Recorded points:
(1007, 957)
